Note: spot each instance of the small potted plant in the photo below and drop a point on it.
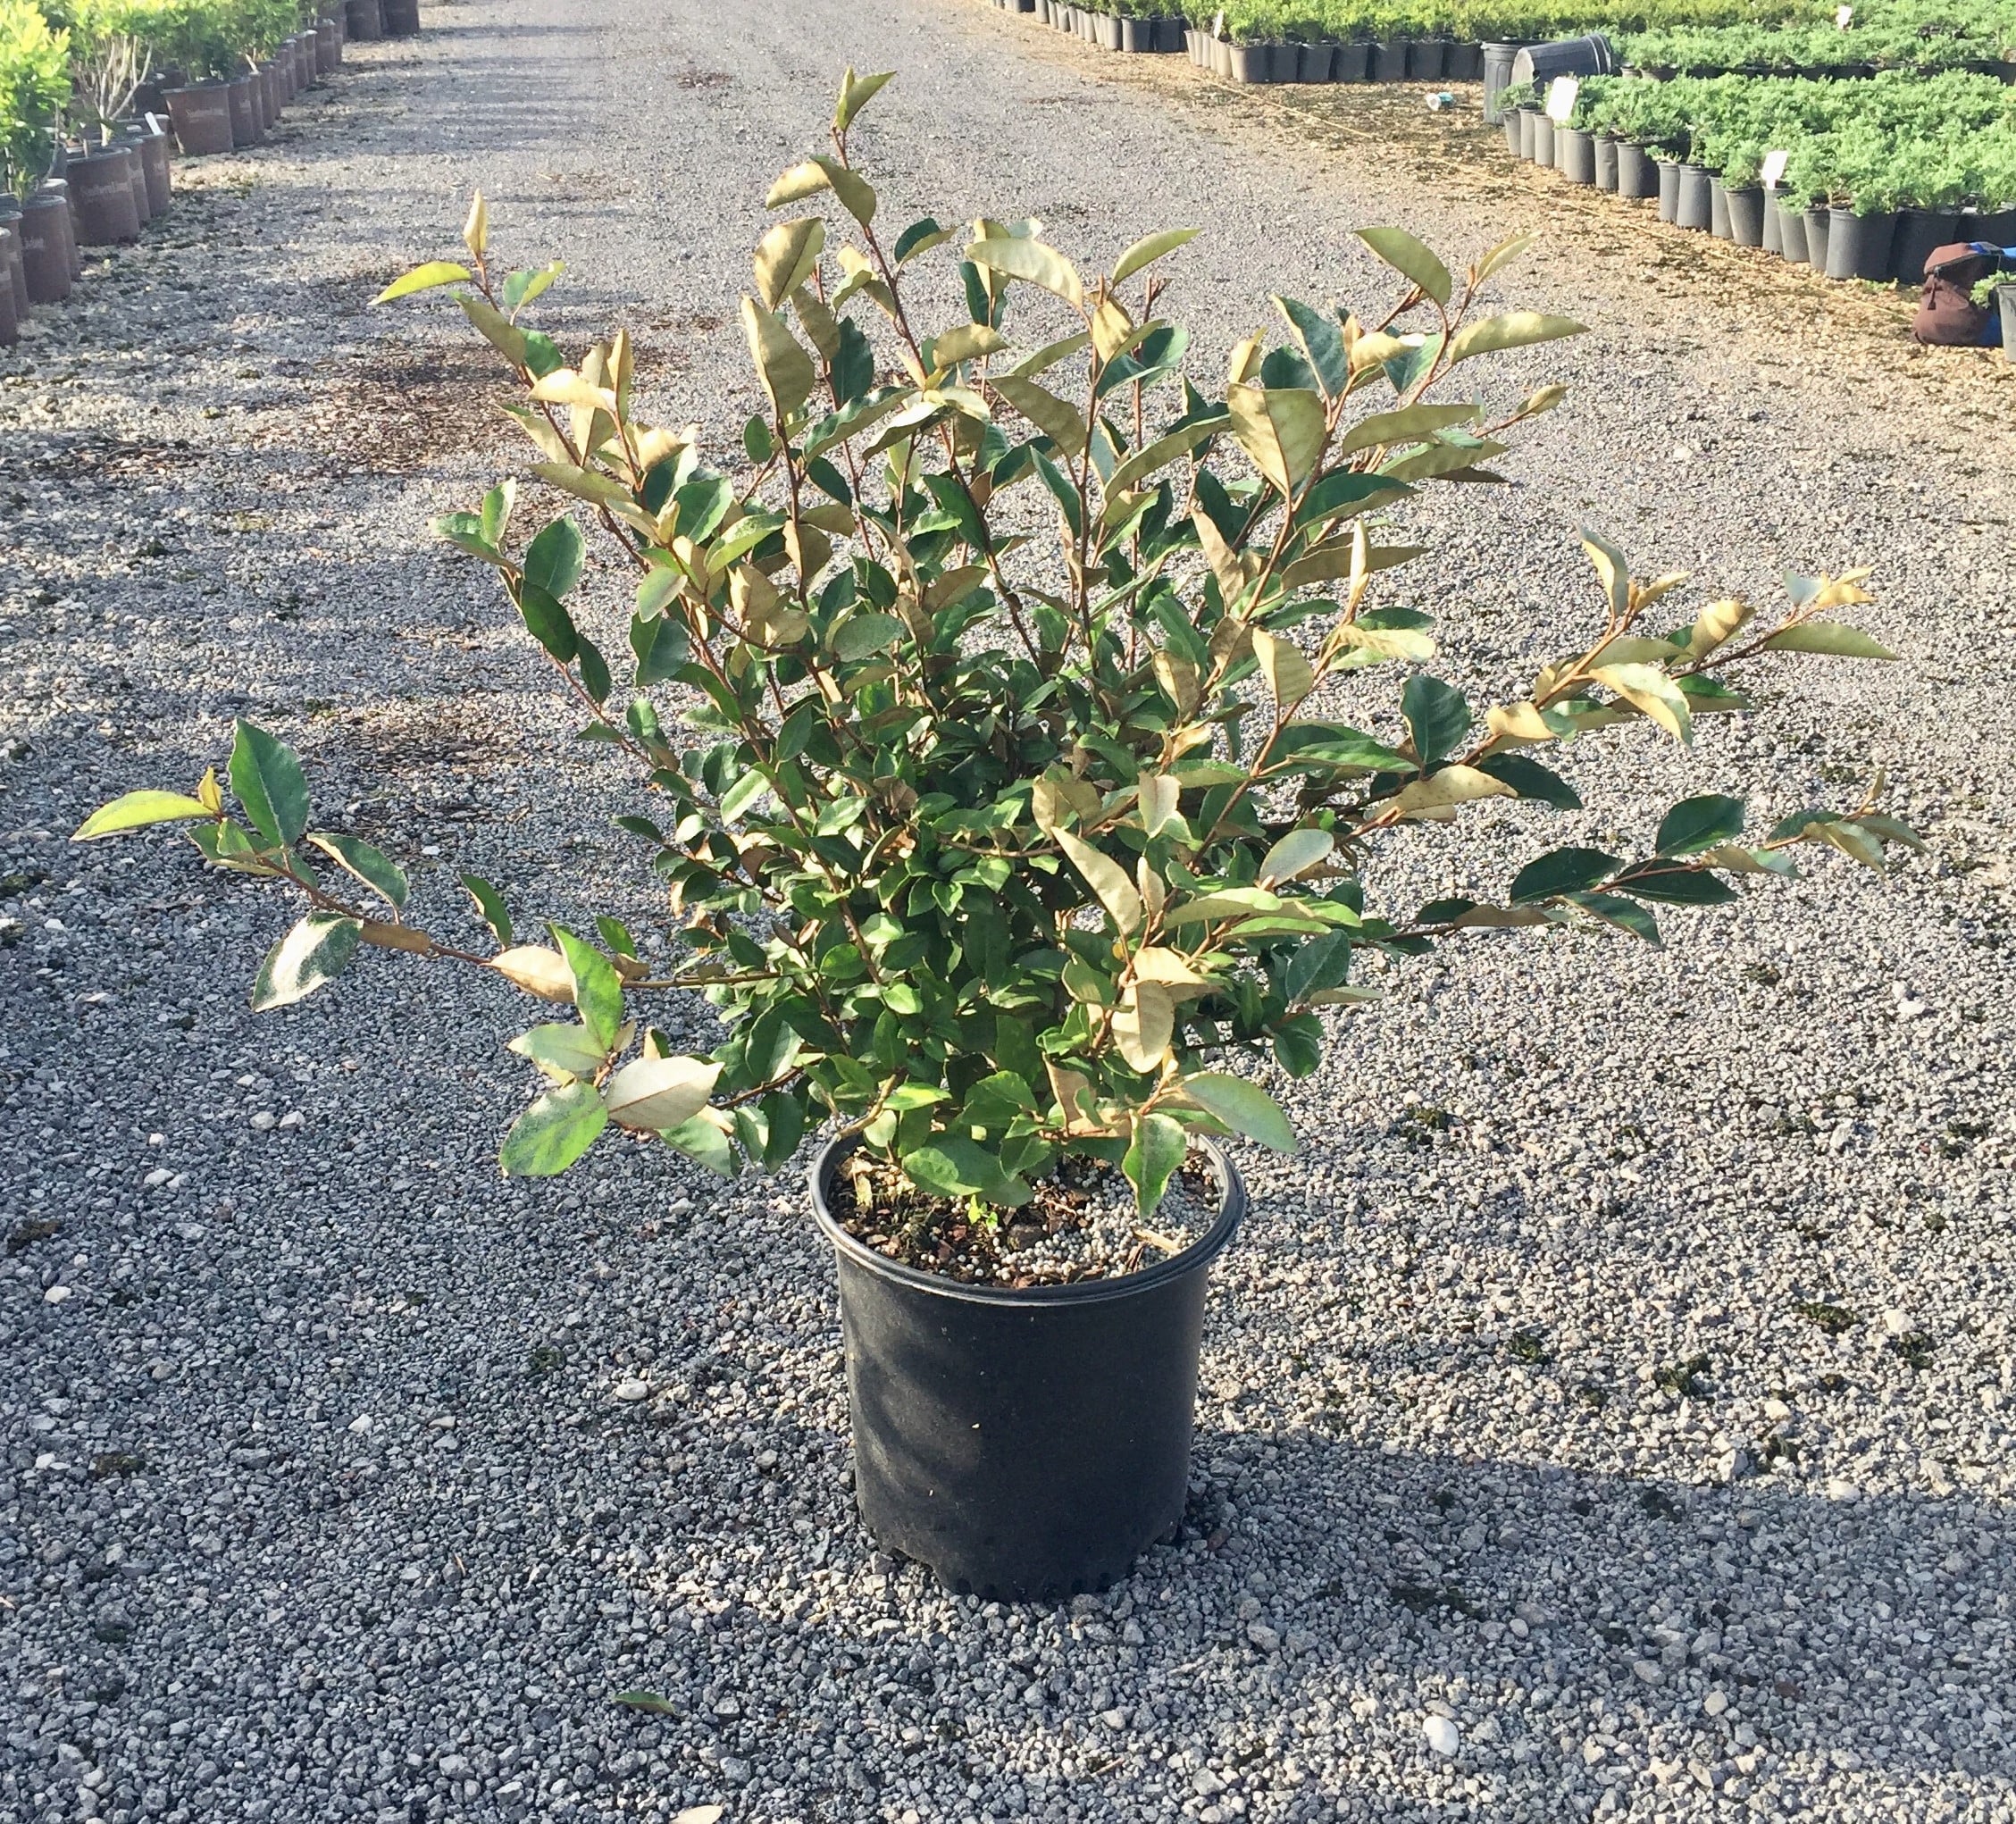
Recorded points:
(1014, 727)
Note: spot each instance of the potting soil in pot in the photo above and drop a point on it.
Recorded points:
(1081, 1224)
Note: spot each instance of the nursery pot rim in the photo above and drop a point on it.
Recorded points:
(1232, 1204)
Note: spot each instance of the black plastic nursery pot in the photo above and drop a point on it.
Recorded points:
(45, 236)
(1773, 228)
(1543, 140)
(1513, 122)
(101, 197)
(1025, 1444)
(1385, 60)
(1818, 222)
(277, 97)
(1792, 231)
(1575, 155)
(1605, 157)
(1718, 209)
(202, 118)
(1919, 233)
(1352, 61)
(362, 21)
(329, 48)
(401, 18)
(137, 177)
(1693, 204)
(1668, 188)
(1858, 247)
(1314, 62)
(1427, 60)
(1637, 172)
(1746, 215)
(1465, 63)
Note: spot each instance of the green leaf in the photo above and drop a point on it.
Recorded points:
(1322, 340)
(552, 560)
(952, 1165)
(567, 1049)
(372, 866)
(661, 646)
(646, 1700)
(1528, 778)
(489, 907)
(1674, 885)
(1516, 329)
(1695, 824)
(1244, 1107)
(315, 951)
(423, 278)
(551, 1134)
(136, 810)
(1152, 1157)
(1833, 638)
(1107, 878)
(855, 92)
(1409, 424)
(1437, 715)
(598, 988)
(1409, 258)
(658, 1094)
(699, 1139)
(1298, 1044)
(1032, 260)
(549, 622)
(1346, 491)
(1282, 428)
(1625, 915)
(1652, 691)
(1563, 871)
(1150, 248)
(267, 779)
(863, 635)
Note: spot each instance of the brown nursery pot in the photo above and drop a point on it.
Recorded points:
(329, 47)
(276, 92)
(202, 115)
(101, 197)
(152, 150)
(248, 118)
(45, 236)
(17, 263)
(364, 20)
(136, 175)
(10, 316)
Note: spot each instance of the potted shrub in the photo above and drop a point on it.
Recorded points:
(34, 86)
(1009, 859)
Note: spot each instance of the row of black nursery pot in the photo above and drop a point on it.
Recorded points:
(1874, 245)
(1358, 59)
(1107, 30)
(1354, 60)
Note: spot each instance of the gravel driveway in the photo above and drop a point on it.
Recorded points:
(1608, 1415)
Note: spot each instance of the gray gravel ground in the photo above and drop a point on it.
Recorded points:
(1609, 1415)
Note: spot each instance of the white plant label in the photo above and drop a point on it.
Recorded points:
(1844, 17)
(1217, 24)
(1775, 164)
(1561, 92)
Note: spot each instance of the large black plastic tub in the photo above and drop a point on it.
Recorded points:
(1031, 1444)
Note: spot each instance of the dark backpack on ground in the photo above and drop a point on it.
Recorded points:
(1948, 314)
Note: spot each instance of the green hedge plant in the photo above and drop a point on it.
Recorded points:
(35, 86)
(1017, 717)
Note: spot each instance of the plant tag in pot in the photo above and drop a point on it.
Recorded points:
(1217, 24)
(1775, 164)
(1561, 92)
(1844, 17)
